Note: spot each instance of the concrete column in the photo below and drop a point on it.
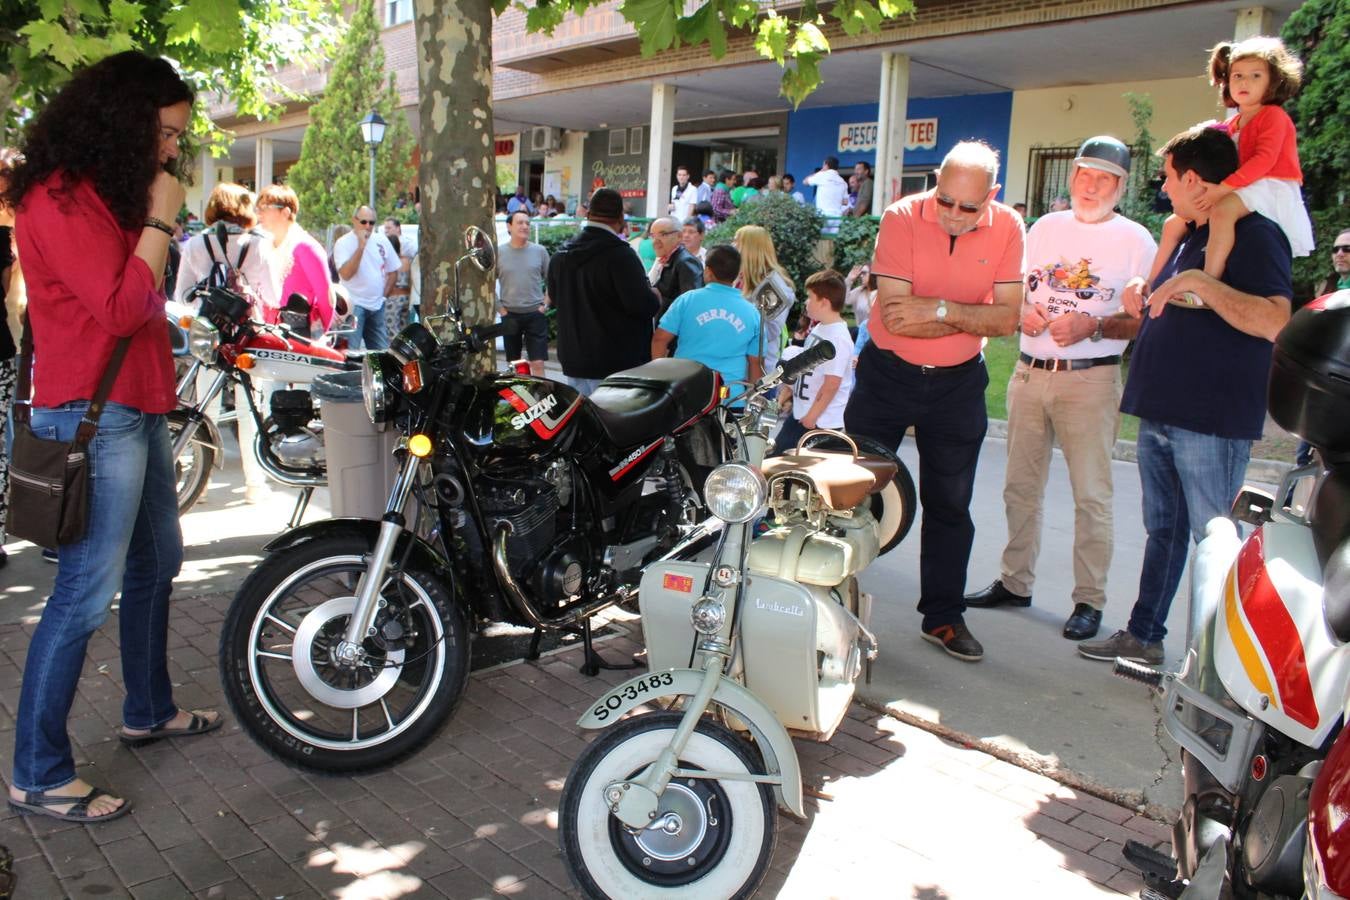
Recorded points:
(206, 177)
(1252, 21)
(262, 163)
(891, 113)
(660, 140)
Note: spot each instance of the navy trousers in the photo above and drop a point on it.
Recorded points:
(946, 409)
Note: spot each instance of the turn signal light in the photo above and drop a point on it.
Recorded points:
(185, 321)
(521, 366)
(244, 360)
(419, 445)
(723, 392)
(412, 377)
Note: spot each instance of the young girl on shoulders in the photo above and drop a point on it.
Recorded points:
(1254, 77)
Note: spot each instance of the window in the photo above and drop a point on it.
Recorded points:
(618, 141)
(635, 140)
(396, 12)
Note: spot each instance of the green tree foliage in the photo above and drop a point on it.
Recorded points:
(794, 228)
(1319, 33)
(795, 38)
(231, 47)
(855, 243)
(332, 176)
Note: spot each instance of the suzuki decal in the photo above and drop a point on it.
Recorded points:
(537, 413)
(1250, 586)
(633, 459)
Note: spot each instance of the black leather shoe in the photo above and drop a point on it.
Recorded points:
(1084, 623)
(996, 595)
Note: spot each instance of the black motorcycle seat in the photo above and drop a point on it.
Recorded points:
(638, 405)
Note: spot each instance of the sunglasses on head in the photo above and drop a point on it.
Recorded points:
(366, 221)
(1341, 248)
(948, 203)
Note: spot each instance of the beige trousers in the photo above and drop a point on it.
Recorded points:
(1081, 410)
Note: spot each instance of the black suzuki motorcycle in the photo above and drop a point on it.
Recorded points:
(348, 647)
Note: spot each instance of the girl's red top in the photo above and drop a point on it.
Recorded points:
(1267, 148)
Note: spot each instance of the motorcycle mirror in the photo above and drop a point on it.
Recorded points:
(481, 251)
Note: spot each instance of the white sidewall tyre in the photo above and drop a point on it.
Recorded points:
(741, 858)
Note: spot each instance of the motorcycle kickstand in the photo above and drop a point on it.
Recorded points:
(533, 653)
(594, 662)
(301, 504)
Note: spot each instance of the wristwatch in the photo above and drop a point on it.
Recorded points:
(1097, 333)
(941, 314)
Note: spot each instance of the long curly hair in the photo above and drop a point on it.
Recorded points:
(103, 127)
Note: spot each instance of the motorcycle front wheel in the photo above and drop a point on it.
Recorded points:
(710, 839)
(192, 468)
(288, 690)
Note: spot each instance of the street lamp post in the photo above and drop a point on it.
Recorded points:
(372, 131)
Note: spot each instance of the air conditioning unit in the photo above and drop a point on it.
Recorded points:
(544, 138)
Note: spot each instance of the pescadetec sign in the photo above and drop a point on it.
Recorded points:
(861, 137)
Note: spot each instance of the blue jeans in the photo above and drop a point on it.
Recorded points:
(370, 333)
(946, 408)
(1188, 479)
(133, 543)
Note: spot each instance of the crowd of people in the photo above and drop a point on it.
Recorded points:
(94, 195)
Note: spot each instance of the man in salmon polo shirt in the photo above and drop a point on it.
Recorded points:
(950, 272)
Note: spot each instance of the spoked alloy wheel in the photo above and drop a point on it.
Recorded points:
(192, 468)
(710, 839)
(287, 686)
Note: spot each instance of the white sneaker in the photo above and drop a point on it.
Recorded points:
(255, 494)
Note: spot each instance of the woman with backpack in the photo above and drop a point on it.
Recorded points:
(232, 252)
(299, 262)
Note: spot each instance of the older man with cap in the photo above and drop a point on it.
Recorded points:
(949, 273)
(605, 305)
(1067, 384)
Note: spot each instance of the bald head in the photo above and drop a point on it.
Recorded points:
(974, 156)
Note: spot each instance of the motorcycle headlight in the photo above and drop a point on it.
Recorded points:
(735, 492)
(203, 340)
(373, 390)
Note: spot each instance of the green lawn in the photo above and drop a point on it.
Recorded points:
(1000, 355)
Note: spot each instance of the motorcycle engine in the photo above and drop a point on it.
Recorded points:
(1272, 845)
(293, 432)
(529, 506)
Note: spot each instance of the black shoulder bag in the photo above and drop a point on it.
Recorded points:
(49, 480)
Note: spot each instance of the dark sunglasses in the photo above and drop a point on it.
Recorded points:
(948, 203)
(1341, 248)
(366, 221)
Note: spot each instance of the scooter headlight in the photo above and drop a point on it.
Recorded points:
(735, 492)
(373, 390)
(203, 340)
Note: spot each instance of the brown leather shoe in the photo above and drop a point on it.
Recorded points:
(996, 595)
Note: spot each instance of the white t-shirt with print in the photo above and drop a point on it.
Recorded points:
(1080, 268)
(805, 387)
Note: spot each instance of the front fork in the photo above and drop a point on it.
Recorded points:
(194, 412)
(392, 524)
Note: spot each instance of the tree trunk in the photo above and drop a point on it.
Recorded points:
(456, 176)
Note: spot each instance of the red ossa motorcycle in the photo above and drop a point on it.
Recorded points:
(224, 338)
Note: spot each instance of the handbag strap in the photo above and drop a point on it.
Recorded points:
(89, 423)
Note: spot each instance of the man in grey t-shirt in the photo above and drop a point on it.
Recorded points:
(522, 268)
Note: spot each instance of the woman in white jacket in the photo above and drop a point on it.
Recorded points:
(244, 260)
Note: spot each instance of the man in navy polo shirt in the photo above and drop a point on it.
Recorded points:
(1197, 381)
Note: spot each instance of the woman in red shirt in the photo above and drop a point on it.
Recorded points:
(93, 198)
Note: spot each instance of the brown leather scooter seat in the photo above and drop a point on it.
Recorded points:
(641, 404)
(842, 480)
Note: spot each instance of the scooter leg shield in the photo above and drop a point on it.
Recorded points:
(771, 738)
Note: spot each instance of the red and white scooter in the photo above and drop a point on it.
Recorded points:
(1262, 693)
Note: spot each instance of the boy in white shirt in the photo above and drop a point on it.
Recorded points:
(818, 397)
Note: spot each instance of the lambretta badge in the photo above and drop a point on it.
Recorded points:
(776, 607)
(534, 412)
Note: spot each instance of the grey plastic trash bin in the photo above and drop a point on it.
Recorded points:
(360, 455)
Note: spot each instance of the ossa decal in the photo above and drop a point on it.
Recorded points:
(537, 413)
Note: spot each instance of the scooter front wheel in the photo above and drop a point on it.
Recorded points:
(710, 838)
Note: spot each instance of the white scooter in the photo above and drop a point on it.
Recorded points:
(763, 640)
